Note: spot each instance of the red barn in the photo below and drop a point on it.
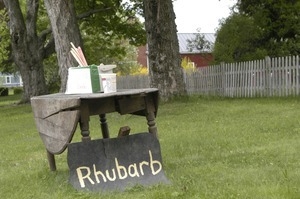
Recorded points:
(198, 58)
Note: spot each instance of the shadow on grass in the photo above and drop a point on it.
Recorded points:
(10, 100)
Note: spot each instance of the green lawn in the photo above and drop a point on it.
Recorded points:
(211, 148)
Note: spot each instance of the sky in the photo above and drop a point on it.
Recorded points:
(203, 14)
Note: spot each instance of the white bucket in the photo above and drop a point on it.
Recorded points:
(109, 82)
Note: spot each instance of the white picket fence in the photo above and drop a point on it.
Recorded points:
(261, 78)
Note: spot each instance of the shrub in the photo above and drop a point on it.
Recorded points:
(3, 91)
(187, 65)
(18, 90)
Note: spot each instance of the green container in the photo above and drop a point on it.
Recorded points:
(95, 79)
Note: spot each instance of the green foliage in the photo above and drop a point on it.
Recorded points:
(3, 91)
(279, 21)
(127, 68)
(111, 18)
(4, 39)
(238, 40)
(136, 5)
(51, 74)
(199, 43)
(108, 30)
(187, 65)
(43, 21)
(128, 64)
(258, 29)
(17, 91)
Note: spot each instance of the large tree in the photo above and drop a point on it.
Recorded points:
(65, 30)
(238, 39)
(279, 22)
(164, 59)
(259, 28)
(28, 48)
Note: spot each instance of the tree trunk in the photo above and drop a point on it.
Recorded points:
(1, 4)
(164, 58)
(65, 30)
(26, 48)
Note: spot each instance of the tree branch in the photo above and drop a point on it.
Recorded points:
(49, 49)
(31, 17)
(43, 35)
(91, 12)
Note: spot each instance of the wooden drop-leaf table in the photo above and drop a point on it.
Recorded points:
(57, 115)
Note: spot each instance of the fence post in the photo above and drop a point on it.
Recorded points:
(268, 75)
(223, 79)
(297, 74)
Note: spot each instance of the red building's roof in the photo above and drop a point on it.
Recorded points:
(183, 39)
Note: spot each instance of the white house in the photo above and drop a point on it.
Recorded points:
(10, 80)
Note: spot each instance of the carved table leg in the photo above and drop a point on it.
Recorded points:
(84, 122)
(104, 127)
(51, 160)
(85, 132)
(151, 123)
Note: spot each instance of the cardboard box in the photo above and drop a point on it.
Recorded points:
(109, 82)
(83, 80)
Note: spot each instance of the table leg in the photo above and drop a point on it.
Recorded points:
(84, 122)
(51, 160)
(104, 126)
(151, 123)
(85, 132)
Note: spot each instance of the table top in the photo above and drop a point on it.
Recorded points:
(121, 92)
(46, 105)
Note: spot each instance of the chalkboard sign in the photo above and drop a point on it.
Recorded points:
(116, 163)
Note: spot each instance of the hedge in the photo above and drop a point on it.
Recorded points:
(3, 91)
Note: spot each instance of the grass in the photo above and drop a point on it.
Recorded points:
(211, 148)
